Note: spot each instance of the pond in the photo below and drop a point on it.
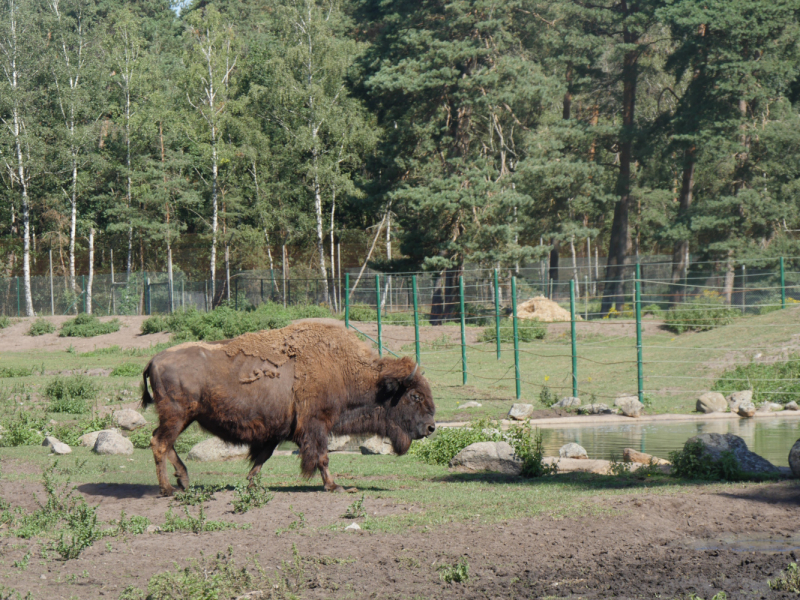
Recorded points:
(771, 438)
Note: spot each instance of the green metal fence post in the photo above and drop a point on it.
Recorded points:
(17, 295)
(516, 333)
(574, 340)
(639, 364)
(497, 312)
(378, 312)
(463, 333)
(347, 300)
(783, 285)
(416, 316)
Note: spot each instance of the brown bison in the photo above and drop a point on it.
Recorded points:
(299, 383)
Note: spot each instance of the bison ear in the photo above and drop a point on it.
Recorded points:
(396, 375)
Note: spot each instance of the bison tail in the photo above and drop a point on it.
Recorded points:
(147, 399)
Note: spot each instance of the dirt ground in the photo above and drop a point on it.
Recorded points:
(645, 545)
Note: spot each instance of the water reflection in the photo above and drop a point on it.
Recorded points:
(770, 438)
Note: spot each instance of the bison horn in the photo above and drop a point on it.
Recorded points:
(410, 378)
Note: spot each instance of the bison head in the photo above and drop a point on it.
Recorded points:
(408, 403)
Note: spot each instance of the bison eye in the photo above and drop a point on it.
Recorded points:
(416, 398)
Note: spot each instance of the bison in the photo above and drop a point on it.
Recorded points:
(299, 383)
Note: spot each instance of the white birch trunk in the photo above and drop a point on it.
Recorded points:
(574, 267)
(284, 266)
(90, 281)
(323, 271)
(228, 269)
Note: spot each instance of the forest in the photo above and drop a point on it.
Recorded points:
(247, 134)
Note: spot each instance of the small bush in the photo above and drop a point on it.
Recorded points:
(4, 322)
(694, 462)
(135, 525)
(41, 327)
(81, 530)
(197, 494)
(127, 370)
(8, 372)
(529, 447)
(198, 524)
(355, 510)
(363, 313)
(73, 406)
(88, 326)
(457, 573)
(547, 397)
(447, 442)
(154, 324)
(254, 495)
(775, 382)
(140, 438)
(61, 390)
(527, 331)
(22, 428)
(701, 314)
(70, 433)
(789, 580)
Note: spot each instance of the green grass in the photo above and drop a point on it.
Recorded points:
(527, 331)
(88, 326)
(127, 370)
(775, 382)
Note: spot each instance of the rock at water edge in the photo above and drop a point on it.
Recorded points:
(488, 456)
(746, 409)
(629, 405)
(711, 402)
(572, 450)
(736, 399)
(376, 445)
(56, 446)
(568, 402)
(794, 459)
(717, 443)
(595, 409)
(634, 456)
(128, 419)
(791, 406)
(520, 412)
(112, 442)
(216, 449)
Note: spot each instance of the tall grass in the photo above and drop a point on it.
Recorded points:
(776, 382)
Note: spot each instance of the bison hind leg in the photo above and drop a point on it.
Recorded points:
(181, 473)
(259, 455)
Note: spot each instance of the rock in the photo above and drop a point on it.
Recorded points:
(568, 402)
(520, 412)
(634, 456)
(736, 399)
(251, 595)
(791, 406)
(717, 443)
(745, 409)
(376, 445)
(595, 409)
(56, 446)
(711, 402)
(337, 442)
(794, 459)
(575, 465)
(629, 405)
(88, 440)
(215, 449)
(488, 456)
(352, 527)
(112, 442)
(471, 404)
(572, 450)
(128, 419)
(153, 529)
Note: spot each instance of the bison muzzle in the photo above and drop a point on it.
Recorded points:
(299, 383)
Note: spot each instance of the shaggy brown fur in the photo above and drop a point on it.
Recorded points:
(299, 383)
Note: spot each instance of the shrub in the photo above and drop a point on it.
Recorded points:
(127, 370)
(73, 386)
(527, 331)
(88, 326)
(694, 462)
(447, 442)
(74, 406)
(140, 438)
(40, 327)
(154, 324)
(69, 433)
(22, 429)
(4, 322)
(776, 382)
(529, 447)
(789, 581)
(458, 573)
(363, 313)
(547, 397)
(16, 372)
(701, 314)
(253, 495)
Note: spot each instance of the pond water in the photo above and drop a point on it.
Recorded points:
(771, 438)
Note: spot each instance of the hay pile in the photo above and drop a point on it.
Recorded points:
(543, 309)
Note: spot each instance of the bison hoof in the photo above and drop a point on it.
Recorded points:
(167, 492)
(337, 489)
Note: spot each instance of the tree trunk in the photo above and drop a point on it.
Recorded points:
(284, 267)
(333, 258)
(73, 223)
(552, 269)
(323, 271)
(681, 249)
(445, 302)
(619, 244)
(730, 272)
(215, 211)
(228, 268)
(90, 281)
(574, 267)
(386, 287)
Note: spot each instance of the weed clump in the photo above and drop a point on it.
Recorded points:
(528, 330)
(701, 314)
(22, 428)
(88, 326)
(10, 372)
(355, 510)
(154, 324)
(547, 397)
(457, 573)
(198, 524)
(694, 462)
(254, 495)
(789, 580)
(529, 448)
(4, 322)
(40, 327)
(127, 370)
(196, 494)
(71, 394)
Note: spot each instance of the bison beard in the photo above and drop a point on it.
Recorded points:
(300, 383)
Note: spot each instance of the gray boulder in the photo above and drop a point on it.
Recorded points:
(711, 402)
(595, 409)
(745, 409)
(791, 406)
(215, 449)
(736, 399)
(488, 456)
(770, 407)
(376, 445)
(794, 459)
(128, 419)
(717, 443)
(572, 450)
(337, 442)
(629, 405)
(471, 404)
(568, 402)
(88, 440)
(112, 442)
(56, 446)
(520, 412)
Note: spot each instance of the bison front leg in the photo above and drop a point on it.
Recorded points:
(313, 443)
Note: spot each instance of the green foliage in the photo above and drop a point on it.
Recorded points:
(127, 370)
(88, 326)
(456, 573)
(547, 397)
(440, 448)
(528, 330)
(70, 432)
(363, 313)
(529, 447)
(4, 322)
(694, 462)
(198, 524)
(355, 510)
(8, 372)
(774, 382)
(134, 525)
(701, 314)
(40, 327)
(252, 495)
(196, 494)
(154, 324)
(22, 428)
(789, 580)
(140, 438)
(117, 351)
(80, 531)
(71, 394)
